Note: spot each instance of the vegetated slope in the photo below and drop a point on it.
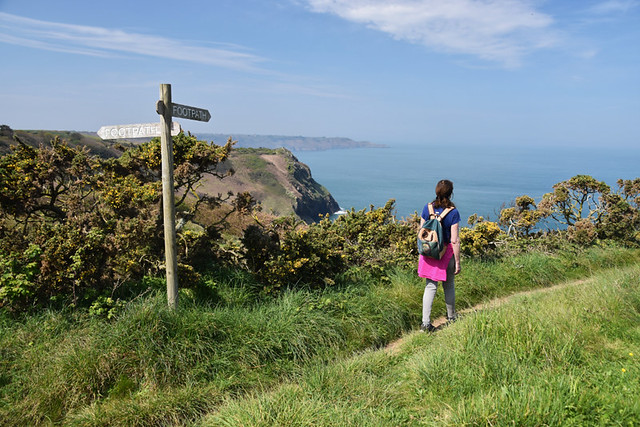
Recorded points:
(275, 178)
(35, 138)
(278, 180)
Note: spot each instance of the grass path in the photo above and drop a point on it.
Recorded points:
(441, 322)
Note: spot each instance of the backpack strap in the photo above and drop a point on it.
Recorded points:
(432, 213)
(444, 213)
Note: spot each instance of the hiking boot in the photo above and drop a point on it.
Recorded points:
(450, 320)
(427, 328)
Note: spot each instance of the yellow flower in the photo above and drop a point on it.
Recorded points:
(624, 370)
(631, 354)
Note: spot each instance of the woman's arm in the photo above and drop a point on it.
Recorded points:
(455, 241)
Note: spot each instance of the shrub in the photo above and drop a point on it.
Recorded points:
(375, 239)
(521, 218)
(583, 232)
(97, 223)
(480, 239)
(622, 217)
(17, 274)
(290, 253)
(304, 258)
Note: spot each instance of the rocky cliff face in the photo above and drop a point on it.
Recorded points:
(313, 199)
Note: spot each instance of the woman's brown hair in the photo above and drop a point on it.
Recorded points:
(444, 190)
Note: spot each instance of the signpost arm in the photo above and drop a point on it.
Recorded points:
(168, 202)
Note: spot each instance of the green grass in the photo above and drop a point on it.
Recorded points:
(486, 280)
(567, 357)
(95, 371)
(152, 366)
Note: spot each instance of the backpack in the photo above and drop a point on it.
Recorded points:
(430, 236)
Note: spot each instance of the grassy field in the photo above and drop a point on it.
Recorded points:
(558, 357)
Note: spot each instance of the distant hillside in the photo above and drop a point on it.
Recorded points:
(35, 138)
(292, 143)
(105, 148)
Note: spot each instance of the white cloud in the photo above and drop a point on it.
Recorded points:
(588, 53)
(114, 43)
(613, 6)
(496, 30)
(97, 41)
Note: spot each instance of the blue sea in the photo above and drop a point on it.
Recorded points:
(485, 178)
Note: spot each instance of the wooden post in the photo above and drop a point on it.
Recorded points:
(168, 202)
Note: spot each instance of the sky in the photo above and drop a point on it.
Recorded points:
(501, 72)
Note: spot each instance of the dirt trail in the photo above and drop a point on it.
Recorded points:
(440, 322)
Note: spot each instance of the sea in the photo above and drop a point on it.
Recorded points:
(485, 178)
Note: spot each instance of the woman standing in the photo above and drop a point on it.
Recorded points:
(445, 268)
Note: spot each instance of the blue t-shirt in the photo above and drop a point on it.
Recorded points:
(452, 217)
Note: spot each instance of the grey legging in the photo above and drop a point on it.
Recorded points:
(449, 294)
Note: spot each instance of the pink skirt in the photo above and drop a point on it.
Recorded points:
(435, 269)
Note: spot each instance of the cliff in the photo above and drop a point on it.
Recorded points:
(278, 180)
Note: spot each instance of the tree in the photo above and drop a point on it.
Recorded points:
(581, 197)
(622, 218)
(521, 218)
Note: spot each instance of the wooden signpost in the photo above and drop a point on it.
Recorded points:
(167, 110)
(165, 129)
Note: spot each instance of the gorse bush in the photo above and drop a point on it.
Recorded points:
(621, 220)
(18, 273)
(589, 209)
(574, 199)
(522, 218)
(61, 201)
(75, 227)
(376, 239)
(289, 253)
(479, 240)
(80, 230)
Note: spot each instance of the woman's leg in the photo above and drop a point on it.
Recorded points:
(450, 290)
(427, 301)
